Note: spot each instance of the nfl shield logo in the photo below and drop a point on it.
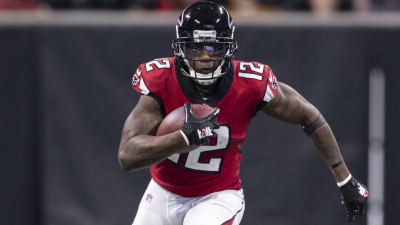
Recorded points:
(149, 197)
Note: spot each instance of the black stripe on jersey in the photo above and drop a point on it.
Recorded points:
(160, 102)
(188, 87)
(259, 107)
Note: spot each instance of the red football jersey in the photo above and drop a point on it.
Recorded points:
(207, 169)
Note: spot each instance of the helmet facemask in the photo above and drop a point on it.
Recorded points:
(205, 55)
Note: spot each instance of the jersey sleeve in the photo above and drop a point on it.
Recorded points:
(138, 82)
(150, 77)
(271, 87)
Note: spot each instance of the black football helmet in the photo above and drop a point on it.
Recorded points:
(205, 26)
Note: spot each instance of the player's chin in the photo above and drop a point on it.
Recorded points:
(206, 71)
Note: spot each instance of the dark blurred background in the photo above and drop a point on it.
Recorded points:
(233, 5)
(65, 82)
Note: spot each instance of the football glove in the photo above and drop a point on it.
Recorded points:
(196, 130)
(354, 196)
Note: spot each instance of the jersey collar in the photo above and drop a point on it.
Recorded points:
(188, 87)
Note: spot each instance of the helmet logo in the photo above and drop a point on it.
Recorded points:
(230, 21)
(180, 21)
(201, 35)
(180, 18)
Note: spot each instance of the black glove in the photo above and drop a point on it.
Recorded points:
(199, 130)
(354, 197)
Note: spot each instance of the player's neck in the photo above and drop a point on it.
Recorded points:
(206, 91)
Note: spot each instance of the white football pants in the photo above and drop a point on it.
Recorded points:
(160, 207)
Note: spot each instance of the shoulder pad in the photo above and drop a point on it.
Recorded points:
(150, 76)
(259, 77)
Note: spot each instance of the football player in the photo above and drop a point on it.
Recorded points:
(202, 186)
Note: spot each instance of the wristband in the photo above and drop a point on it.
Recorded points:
(311, 128)
(342, 183)
(184, 137)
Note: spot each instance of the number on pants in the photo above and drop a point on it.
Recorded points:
(164, 64)
(194, 158)
(244, 66)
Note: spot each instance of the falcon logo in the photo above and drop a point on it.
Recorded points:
(205, 132)
(362, 191)
(272, 80)
(180, 21)
(274, 83)
(135, 78)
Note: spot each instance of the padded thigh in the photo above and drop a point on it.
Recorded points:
(153, 207)
(148, 217)
(161, 207)
(226, 207)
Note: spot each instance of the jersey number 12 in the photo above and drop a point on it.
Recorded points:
(194, 159)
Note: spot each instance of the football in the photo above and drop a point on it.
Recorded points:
(174, 120)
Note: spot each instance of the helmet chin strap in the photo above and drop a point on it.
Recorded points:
(205, 79)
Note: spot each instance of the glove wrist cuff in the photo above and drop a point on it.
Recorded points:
(185, 137)
(342, 183)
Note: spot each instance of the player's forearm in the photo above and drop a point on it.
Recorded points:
(144, 150)
(291, 107)
(325, 142)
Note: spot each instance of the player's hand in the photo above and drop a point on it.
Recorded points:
(199, 130)
(354, 198)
